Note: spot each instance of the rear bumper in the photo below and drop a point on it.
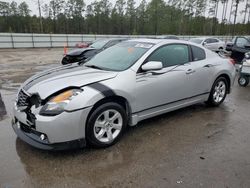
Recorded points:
(33, 138)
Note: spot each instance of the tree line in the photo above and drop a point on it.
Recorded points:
(154, 17)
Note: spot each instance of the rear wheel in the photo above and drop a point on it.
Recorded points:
(243, 81)
(106, 125)
(218, 92)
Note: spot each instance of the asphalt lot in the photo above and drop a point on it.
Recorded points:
(193, 147)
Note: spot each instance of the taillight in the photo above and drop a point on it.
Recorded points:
(232, 61)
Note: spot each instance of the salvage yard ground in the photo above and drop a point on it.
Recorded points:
(192, 147)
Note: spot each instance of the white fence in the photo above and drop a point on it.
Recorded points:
(30, 40)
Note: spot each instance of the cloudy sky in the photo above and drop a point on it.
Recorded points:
(33, 6)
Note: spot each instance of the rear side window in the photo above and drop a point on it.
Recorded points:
(170, 55)
(198, 53)
(208, 41)
(214, 40)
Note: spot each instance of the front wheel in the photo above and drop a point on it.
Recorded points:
(243, 81)
(218, 92)
(106, 125)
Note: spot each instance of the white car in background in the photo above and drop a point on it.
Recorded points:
(213, 44)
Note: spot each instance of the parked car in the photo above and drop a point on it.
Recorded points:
(81, 54)
(238, 47)
(213, 44)
(244, 75)
(83, 44)
(92, 103)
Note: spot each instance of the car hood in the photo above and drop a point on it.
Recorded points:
(79, 51)
(48, 82)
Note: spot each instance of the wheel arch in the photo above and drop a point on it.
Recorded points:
(227, 77)
(116, 99)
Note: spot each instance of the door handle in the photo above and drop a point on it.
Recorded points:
(208, 65)
(190, 71)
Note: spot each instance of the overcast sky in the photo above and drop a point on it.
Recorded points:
(33, 6)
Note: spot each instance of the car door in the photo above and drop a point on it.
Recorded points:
(207, 43)
(168, 85)
(202, 70)
(239, 49)
(240, 44)
(211, 44)
(216, 44)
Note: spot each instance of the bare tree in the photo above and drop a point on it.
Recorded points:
(235, 14)
(40, 15)
(245, 11)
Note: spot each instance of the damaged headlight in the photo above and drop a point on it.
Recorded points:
(57, 104)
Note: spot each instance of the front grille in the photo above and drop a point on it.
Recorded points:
(22, 98)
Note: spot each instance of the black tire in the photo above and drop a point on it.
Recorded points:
(211, 101)
(90, 135)
(221, 49)
(243, 81)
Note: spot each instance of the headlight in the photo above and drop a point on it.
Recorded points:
(57, 104)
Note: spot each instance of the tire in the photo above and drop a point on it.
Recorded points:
(100, 125)
(218, 92)
(243, 81)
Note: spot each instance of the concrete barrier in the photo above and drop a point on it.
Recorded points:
(34, 40)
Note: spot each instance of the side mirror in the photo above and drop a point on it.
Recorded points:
(152, 65)
(204, 43)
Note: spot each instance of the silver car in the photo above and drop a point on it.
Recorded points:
(213, 44)
(92, 103)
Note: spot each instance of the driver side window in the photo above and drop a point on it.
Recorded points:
(170, 55)
(241, 42)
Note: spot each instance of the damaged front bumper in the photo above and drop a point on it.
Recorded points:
(39, 140)
(60, 132)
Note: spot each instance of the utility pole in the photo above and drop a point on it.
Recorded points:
(156, 18)
(235, 14)
(245, 11)
(40, 16)
(230, 13)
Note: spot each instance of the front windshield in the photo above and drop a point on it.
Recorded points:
(197, 41)
(99, 44)
(119, 57)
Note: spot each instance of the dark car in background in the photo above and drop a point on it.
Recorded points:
(238, 47)
(81, 54)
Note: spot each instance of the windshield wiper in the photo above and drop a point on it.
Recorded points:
(94, 67)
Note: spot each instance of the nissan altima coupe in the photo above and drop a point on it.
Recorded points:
(93, 103)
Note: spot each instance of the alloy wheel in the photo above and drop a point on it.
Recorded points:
(219, 91)
(108, 125)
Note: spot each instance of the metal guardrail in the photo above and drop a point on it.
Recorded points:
(32, 40)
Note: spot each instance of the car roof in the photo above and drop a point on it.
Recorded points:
(110, 39)
(148, 40)
(200, 38)
(158, 41)
(203, 38)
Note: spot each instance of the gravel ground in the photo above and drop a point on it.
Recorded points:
(192, 147)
